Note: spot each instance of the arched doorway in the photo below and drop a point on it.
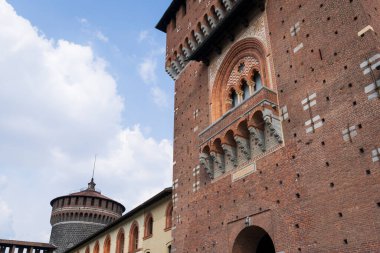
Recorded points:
(253, 239)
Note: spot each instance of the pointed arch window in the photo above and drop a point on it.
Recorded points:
(134, 238)
(148, 228)
(258, 81)
(96, 247)
(245, 60)
(120, 241)
(169, 217)
(234, 98)
(245, 89)
(107, 245)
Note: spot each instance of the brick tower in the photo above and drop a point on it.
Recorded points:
(78, 215)
(276, 125)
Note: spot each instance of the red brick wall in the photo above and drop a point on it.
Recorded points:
(337, 182)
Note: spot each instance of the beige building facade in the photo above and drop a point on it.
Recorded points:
(145, 229)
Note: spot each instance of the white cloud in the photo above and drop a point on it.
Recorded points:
(101, 36)
(58, 107)
(143, 35)
(93, 32)
(160, 98)
(147, 70)
(83, 21)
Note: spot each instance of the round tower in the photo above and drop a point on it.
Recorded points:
(78, 215)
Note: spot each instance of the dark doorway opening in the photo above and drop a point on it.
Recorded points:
(253, 239)
(265, 245)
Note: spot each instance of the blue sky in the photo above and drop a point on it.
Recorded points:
(79, 78)
(128, 27)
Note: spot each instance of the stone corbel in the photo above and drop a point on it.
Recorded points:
(230, 153)
(220, 13)
(176, 66)
(227, 4)
(211, 20)
(193, 45)
(181, 60)
(217, 159)
(258, 137)
(204, 161)
(198, 37)
(171, 72)
(243, 145)
(274, 127)
(186, 52)
(205, 30)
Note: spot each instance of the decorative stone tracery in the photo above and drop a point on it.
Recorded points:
(249, 53)
(253, 132)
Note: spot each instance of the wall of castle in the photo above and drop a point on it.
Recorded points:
(318, 189)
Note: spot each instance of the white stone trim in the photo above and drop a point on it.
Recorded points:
(295, 29)
(317, 123)
(298, 48)
(370, 64)
(373, 90)
(309, 102)
(365, 29)
(349, 133)
(375, 155)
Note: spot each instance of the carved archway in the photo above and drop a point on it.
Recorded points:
(251, 48)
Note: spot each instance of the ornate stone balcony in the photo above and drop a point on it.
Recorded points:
(241, 136)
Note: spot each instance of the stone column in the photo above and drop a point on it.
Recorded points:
(240, 96)
(251, 86)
